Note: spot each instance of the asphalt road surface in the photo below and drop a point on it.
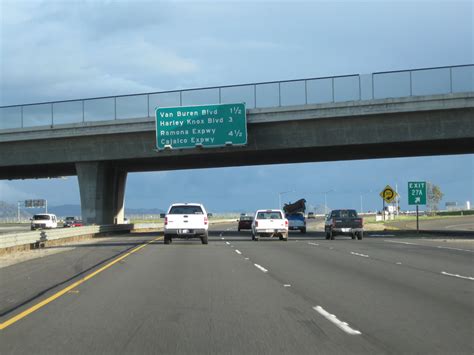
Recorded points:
(133, 294)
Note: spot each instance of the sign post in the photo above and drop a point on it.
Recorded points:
(201, 126)
(417, 196)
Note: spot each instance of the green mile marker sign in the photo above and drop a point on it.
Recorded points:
(201, 126)
(417, 193)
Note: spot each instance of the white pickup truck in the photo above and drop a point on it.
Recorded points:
(186, 220)
(270, 223)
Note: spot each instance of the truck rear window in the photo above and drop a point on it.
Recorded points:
(40, 217)
(186, 210)
(344, 214)
(269, 215)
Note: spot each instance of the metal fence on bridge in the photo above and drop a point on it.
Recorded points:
(379, 85)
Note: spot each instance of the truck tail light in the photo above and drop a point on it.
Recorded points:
(205, 220)
(286, 223)
(256, 223)
(166, 221)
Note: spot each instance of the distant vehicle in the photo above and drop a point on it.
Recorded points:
(44, 221)
(295, 214)
(270, 223)
(245, 222)
(77, 223)
(68, 221)
(296, 221)
(186, 220)
(344, 222)
(311, 215)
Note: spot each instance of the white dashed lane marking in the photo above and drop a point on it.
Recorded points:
(358, 254)
(261, 268)
(313, 243)
(333, 319)
(238, 252)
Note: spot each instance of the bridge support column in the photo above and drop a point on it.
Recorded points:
(102, 188)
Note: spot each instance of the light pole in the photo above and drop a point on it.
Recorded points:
(326, 200)
(361, 198)
(279, 197)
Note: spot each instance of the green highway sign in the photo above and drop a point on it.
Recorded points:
(417, 193)
(201, 126)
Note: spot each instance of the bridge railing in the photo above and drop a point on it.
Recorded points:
(403, 83)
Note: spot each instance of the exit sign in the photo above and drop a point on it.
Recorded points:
(201, 126)
(417, 193)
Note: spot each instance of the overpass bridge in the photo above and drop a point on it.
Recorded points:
(380, 115)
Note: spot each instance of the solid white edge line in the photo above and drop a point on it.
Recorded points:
(431, 246)
(450, 248)
(260, 267)
(238, 251)
(457, 275)
(333, 319)
(363, 255)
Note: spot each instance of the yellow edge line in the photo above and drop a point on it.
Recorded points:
(58, 294)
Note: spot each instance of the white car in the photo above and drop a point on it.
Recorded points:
(270, 223)
(186, 220)
(44, 221)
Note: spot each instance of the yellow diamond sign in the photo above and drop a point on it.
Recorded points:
(388, 194)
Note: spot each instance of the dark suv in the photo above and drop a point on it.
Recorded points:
(245, 222)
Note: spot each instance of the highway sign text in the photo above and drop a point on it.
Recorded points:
(417, 193)
(201, 126)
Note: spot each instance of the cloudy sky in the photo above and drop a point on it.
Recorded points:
(56, 50)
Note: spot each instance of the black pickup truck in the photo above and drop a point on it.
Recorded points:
(344, 222)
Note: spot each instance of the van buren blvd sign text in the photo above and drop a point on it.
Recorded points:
(201, 126)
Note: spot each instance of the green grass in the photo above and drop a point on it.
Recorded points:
(371, 219)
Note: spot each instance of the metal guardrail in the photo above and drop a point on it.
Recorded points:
(378, 85)
(25, 238)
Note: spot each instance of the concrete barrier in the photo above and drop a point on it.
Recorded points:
(35, 238)
(38, 238)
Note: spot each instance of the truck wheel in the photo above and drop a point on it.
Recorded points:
(328, 236)
(204, 239)
(360, 235)
(238, 229)
(303, 230)
(331, 235)
(353, 235)
(167, 239)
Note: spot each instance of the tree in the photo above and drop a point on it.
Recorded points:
(433, 196)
